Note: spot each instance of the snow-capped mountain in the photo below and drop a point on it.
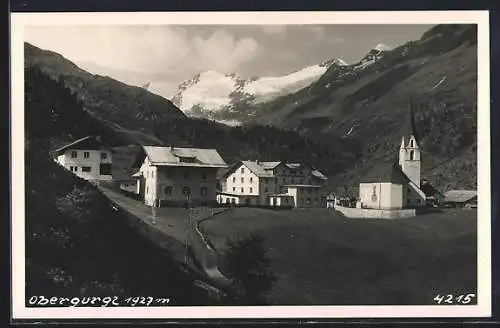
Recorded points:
(221, 96)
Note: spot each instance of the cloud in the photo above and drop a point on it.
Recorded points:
(147, 49)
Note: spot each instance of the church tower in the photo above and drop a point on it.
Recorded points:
(409, 151)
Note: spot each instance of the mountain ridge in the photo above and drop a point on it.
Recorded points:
(221, 96)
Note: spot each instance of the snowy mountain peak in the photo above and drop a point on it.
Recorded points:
(334, 61)
(382, 47)
(210, 93)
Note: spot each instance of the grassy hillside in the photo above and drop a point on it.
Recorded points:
(76, 243)
(323, 258)
(439, 72)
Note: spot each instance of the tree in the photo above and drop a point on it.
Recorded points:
(246, 264)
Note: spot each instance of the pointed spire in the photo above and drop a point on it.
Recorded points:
(412, 125)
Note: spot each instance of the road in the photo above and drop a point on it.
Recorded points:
(178, 223)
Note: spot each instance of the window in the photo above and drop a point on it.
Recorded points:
(168, 190)
(250, 189)
(105, 169)
(86, 154)
(411, 143)
(203, 191)
(234, 179)
(86, 169)
(147, 190)
(186, 191)
(301, 181)
(234, 188)
(284, 180)
(242, 180)
(412, 155)
(251, 179)
(104, 155)
(266, 189)
(242, 170)
(242, 190)
(74, 154)
(309, 201)
(293, 180)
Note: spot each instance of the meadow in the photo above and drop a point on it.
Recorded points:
(323, 258)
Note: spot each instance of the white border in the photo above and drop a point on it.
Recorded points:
(20, 20)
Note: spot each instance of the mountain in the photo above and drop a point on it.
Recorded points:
(369, 101)
(226, 97)
(105, 98)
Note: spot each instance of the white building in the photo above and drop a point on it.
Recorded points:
(397, 185)
(271, 183)
(169, 176)
(88, 157)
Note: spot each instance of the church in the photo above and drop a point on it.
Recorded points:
(398, 184)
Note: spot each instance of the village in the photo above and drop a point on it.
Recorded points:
(191, 177)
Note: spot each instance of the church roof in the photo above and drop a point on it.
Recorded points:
(386, 173)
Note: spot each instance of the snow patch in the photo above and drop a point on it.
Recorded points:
(382, 47)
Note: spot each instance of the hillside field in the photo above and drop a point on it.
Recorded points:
(323, 258)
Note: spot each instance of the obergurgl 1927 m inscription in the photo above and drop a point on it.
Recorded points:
(93, 301)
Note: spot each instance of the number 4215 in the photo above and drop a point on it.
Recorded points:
(452, 299)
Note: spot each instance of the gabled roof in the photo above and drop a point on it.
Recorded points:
(318, 174)
(171, 156)
(387, 173)
(88, 142)
(260, 169)
(459, 196)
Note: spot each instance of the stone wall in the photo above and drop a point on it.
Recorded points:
(365, 213)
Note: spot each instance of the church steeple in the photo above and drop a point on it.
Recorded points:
(412, 128)
(409, 152)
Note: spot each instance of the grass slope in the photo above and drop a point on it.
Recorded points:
(323, 258)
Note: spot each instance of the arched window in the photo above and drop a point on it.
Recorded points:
(412, 155)
(411, 143)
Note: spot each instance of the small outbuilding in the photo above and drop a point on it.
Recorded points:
(461, 198)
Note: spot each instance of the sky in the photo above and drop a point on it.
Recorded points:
(167, 55)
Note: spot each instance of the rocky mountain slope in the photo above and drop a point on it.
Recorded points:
(229, 98)
(105, 98)
(369, 102)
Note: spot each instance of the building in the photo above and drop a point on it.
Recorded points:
(89, 158)
(272, 183)
(461, 198)
(171, 176)
(433, 196)
(396, 185)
